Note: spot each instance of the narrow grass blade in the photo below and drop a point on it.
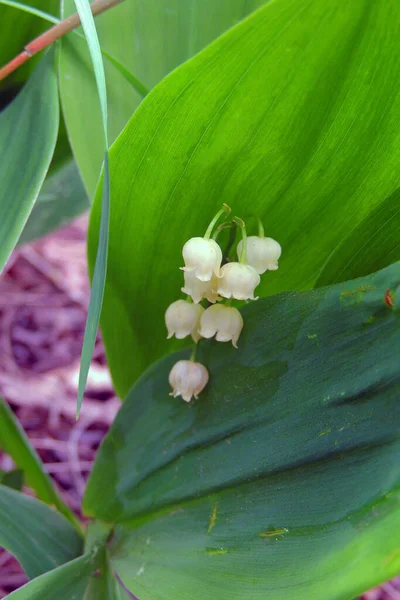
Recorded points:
(89, 28)
(100, 269)
(98, 285)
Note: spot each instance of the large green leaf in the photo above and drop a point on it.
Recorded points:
(293, 115)
(150, 37)
(68, 582)
(283, 480)
(15, 442)
(61, 199)
(39, 537)
(28, 133)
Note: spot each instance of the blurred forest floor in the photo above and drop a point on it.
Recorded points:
(44, 293)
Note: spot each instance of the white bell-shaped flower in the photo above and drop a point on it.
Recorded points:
(262, 253)
(182, 319)
(202, 257)
(238, 281)
(187, 378)
(200, 289)
(225, 322)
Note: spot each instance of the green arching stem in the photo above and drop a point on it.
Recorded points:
(225, 209)
(243, 253)
(261, 232)
(194, 352)
(227, 225)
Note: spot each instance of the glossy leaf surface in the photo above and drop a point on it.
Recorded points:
(149, 37)
(293, 115)
(282, 480)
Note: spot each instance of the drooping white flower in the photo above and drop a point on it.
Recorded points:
(200, 289)
(262, 253)
(187, 378)
(202, 257)
(225, 322)
(182, 319)
(238, 281)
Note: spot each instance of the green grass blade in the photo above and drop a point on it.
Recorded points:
(89, 28)
(98, 285)
(100, 269)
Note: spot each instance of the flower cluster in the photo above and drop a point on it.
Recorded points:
(211, 277)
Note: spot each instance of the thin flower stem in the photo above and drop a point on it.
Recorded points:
(222, 227)
(53, 34)
(225, 209)
(231, 241)
(194, 352)
(243, 254)
(261, 232)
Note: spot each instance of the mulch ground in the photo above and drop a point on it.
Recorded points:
(44, 295)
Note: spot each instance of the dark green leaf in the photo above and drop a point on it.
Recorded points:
(282, 480)
(38, 536)
(165, 34)
(15, 442)
(61, 199)
(293, 115)
(28, 133)
(13, 479)
(68, 582)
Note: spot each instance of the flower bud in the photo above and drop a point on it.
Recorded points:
(187, 378)
(262, 253)
(200, 289)
(225, 322)
(182, 319)
(238, 281)
(202, 257)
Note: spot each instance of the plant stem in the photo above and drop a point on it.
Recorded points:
(225, 209)
(194, 352)
(53, 34)
(261, 232)
(243, 253)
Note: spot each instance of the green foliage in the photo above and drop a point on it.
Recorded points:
(39, 537)
(61, 199)
(17, 29)
(14, 442)
(13, 479)
(68, 582)
(151, 39)
(100, 269)
(30, 121)
(266, 119)
(282, 480)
